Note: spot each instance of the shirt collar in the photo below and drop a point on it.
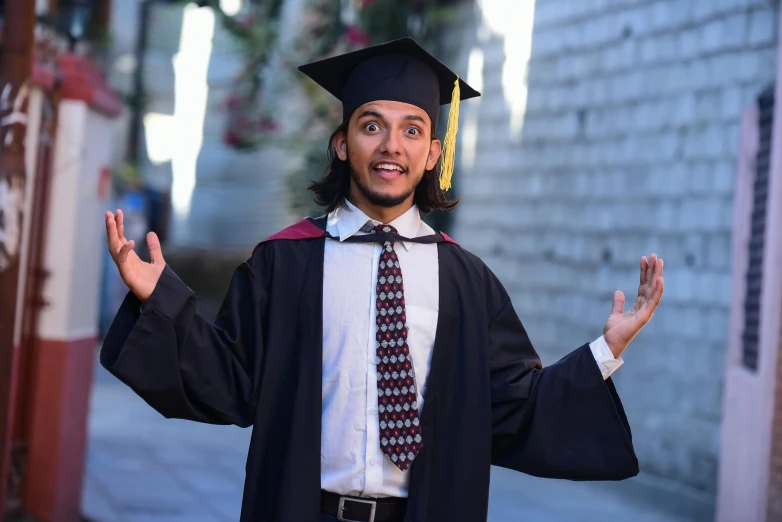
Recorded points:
(345, 223)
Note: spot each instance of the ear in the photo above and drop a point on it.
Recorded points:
(435, 149)
(341, 145)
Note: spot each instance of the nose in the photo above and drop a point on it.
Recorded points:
(392, 143)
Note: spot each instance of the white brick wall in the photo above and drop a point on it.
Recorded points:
(239, 198)
(628, 146)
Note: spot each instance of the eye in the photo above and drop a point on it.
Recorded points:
(371, 127)
(413, 131)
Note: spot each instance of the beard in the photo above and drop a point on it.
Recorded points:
(376, 198)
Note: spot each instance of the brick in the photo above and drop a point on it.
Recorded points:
(730, 135)
(692, 244)
(724, 177)
(698, 74)
(692, 322)
(730, 68)
(679, 289)
(707, 106)
(724, 288)
(725, 221)
(545, 13)
(749, 67)
(735, 30)
(619, 56)
(688, 43)
(718, 251)
(683, 111)
(757, 65)
(659, 48)
(726, 5)
(699, 179)
(701, 214)
(661, 16)
(706, 287)
(762, 27)
(731, 103)
(666, 214)
(712, 36)
(571, 37)
(597, 91)
(707, 9)
(595, 31)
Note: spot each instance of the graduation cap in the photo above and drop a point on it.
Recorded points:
(399, 70)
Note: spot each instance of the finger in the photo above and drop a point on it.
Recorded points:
(643, 269)
(122, 256)
(153, 245)
(658, 267)
(121, 225)
(111, 232)
(646, 310)
(658, 291)
(619, 303)
(650, 269)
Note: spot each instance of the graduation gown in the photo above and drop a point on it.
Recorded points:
(487, 401)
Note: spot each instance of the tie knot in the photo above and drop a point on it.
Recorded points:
(383, 229)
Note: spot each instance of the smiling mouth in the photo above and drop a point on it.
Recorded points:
(388, 170)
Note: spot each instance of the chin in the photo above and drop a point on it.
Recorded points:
(382, 193)
(386, 198)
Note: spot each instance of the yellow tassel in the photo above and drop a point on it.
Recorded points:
(449, 143)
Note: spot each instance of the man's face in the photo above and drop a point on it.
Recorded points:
(389, 147)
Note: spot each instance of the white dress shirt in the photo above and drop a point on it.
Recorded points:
(351, 460)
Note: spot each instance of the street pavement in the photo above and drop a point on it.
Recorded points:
(142, 467)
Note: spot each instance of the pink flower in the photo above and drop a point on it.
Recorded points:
(267, 124)
(233, 101)
(231, 138)
(356, 36)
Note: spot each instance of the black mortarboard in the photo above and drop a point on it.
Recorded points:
(400, 70)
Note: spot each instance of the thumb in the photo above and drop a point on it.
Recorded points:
(153, 245)
(619, 303)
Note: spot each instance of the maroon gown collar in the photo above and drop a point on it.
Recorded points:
(313, 228)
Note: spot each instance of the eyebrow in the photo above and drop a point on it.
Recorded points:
(375, 114)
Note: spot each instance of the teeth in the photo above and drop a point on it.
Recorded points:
(386, 166)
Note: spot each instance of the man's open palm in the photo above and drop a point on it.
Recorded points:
(622, 326)
(140, 276)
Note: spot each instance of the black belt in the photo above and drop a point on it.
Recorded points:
(354, 509)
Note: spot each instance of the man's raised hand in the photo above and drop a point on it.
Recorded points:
(140, 276)
(622, 326)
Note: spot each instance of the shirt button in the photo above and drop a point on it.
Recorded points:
(372, 462)
(373, 411)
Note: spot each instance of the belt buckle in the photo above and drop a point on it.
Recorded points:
(341, 509)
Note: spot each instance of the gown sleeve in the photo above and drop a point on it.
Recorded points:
(180, 363)
(563, 421)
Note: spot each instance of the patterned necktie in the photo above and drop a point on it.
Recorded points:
(400, 430)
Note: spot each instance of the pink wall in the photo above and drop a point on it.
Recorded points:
(749, 397)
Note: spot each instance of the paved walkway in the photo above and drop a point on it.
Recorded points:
(142, 467)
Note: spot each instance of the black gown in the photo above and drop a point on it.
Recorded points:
(487, 400)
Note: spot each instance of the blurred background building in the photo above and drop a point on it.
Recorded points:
(607, 130)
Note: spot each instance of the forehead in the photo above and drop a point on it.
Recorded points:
(393, 110)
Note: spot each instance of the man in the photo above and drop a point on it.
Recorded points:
(381, 365)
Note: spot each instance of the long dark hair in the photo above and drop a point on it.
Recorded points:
(333, 187)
